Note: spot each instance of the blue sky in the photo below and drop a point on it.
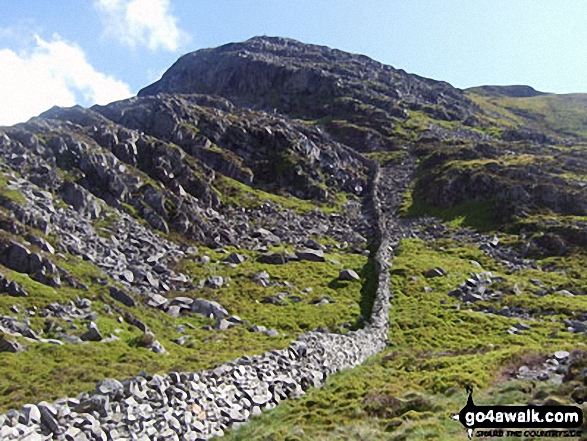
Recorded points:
(64, 52)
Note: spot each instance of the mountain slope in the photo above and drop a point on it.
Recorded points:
(254, 197)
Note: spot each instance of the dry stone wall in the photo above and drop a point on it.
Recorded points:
(200, 405)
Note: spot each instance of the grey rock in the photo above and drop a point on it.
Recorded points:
(33, 436)
(272, 333)
(209, 308)
(92, 334)
(80, 199)
(10, 346)
(235, 258)
(348, 274)
(181, 340)
(18, 258)
(561, 355)
(311, 255)
(261, 279)
(151, 279)
(49, 417)
(235, 319)
(215, 282)
(435, 272)
(276, 300)
(258, 328)
(110, 387)
(222, 325)
(122, 297)
(272, 258)
(157, 347)
(128, 276)
(565, 293)
(156, 300)
(31, 414)
(96, 403)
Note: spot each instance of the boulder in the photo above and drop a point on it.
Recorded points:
(137, 323)
(156, 300)
(272, 258)
(122, 297)
(128, 276)
(435, 272)
(222, 324)
(96, 403)
(311, 255)
(151, 279)
(348, 274)
(31, 414)
(215, 282)
(80, 199)
(258, 328)
(111, 387)
(49, 416)
(92, 334)
(10, 346)
(271, 333)
(235, 258)
(157, 347)
(209, 307)
(18, 258)
(261, 278)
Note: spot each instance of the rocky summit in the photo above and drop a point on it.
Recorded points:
(274, 220)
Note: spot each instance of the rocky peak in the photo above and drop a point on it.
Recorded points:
(309, 81)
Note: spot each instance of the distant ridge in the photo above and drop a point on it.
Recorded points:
(515, 91)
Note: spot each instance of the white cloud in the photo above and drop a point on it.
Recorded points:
(141, 23)
(52, 73)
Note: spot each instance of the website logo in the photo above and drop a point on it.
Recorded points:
(563, 421)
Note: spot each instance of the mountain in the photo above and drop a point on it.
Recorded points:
(270, 214)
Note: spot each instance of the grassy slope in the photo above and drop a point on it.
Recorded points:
(47, 372)
(565, 114)
(411, 389)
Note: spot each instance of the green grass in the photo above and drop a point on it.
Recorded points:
(475, 214)
(562, 114)
(385, 158)
(238, 194)
(410, 391)
(13, 195)
(244, 297)
(48, 372)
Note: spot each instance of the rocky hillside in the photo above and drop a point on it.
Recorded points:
(223, 241)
